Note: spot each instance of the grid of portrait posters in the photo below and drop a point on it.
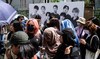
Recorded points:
(58, 8)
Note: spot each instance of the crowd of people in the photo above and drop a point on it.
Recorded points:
(55, 39)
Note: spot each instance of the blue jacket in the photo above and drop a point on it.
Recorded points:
(68, 24)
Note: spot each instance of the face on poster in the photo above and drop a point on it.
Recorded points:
(58, 8)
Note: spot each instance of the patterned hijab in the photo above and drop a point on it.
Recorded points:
(51, 40)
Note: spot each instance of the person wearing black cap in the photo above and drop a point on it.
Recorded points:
(96, 21)
(91, 42)
(20, 47)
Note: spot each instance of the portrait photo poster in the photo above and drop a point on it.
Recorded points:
(49, 8)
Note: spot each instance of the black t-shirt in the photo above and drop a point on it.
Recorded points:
(74, 21)
(68, 16)
(61, 52)
(56, 15)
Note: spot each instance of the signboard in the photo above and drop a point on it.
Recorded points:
(40, 8)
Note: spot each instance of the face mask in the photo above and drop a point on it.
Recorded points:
(30, 28)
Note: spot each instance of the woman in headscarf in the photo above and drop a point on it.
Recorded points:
(51, 38)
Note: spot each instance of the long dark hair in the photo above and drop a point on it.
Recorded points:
(68, 36)
(27, 51)
(90, 26)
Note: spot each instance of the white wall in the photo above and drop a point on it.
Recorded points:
(18, 5)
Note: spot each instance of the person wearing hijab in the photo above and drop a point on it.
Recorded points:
(51, 38)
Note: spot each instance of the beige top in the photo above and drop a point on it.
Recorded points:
(9, 54)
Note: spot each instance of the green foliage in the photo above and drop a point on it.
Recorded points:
(87, 1)
(24, 12)
(54, 0)
(97, 13)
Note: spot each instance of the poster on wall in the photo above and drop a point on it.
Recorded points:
(73, 10)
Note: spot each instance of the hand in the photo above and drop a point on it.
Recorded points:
(82, 41)
(68, 50)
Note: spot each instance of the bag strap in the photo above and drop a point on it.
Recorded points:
(92, 39)
(80, 35)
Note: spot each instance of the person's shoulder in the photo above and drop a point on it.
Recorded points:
(77, 18)
(68, 15)
(38, 33)
(77, 27)
(7, 54)
(66, 20)
(49, 28)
